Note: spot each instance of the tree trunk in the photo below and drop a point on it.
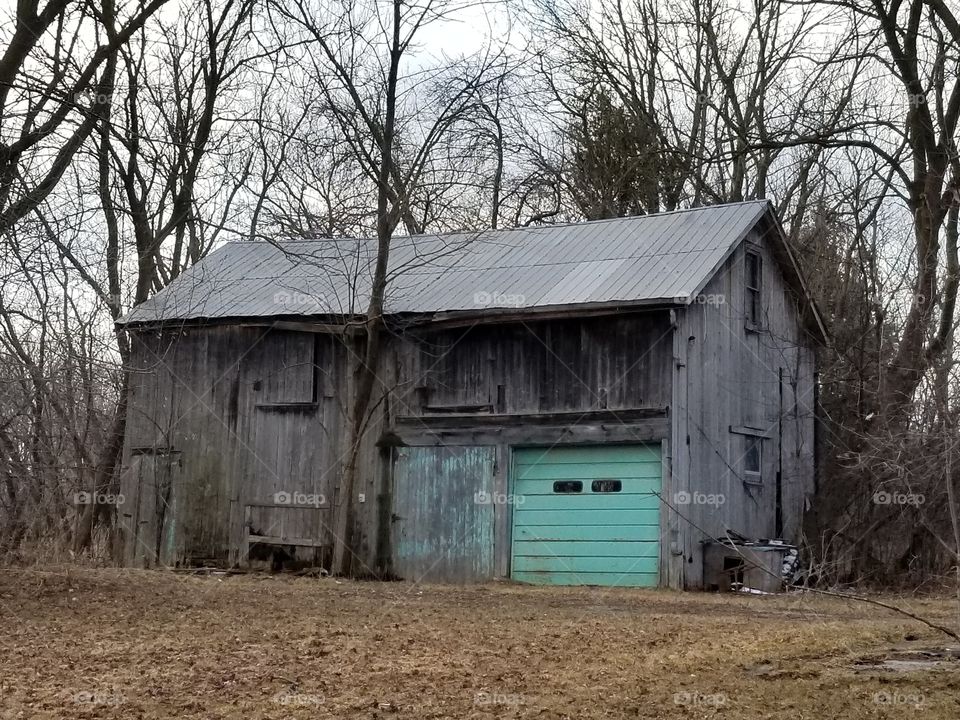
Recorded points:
(365, 371)
(105, 478)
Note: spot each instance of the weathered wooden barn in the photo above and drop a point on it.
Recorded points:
(572, 404)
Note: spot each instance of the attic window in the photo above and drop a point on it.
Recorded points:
(288, 377)
(752, 458)
(753, 278)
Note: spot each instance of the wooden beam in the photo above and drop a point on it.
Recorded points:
(276, 540)
(642, 431)
(489, 420)
(463, 318)
(287, 407)
(319, 506)
(751, 431)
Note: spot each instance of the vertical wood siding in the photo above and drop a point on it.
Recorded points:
(443, 514)
(248, 413)
(727, 376)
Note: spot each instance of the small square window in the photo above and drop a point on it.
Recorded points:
(752, 458)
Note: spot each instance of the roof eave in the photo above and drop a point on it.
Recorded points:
(486, 315)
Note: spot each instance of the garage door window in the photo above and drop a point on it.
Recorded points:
(606, 486)
(568, 486)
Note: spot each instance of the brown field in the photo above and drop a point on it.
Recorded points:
(82, 643)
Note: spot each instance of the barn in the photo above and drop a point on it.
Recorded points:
(588, 403)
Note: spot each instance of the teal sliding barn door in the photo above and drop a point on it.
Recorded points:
(442, 514)
(587, 515)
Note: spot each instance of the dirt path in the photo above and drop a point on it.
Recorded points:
(130, 644)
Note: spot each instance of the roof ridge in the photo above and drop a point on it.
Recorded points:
(452, 233)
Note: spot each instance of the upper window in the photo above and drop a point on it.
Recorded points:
(752, 458)
(752, 281)
(288, 363)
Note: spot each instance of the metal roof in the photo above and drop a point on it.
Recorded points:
(663, 258)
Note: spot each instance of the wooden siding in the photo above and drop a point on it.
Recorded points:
(569, 381)
(151, 486)
(730, 377)
(248, 413)
(254, 411)
(614, 363)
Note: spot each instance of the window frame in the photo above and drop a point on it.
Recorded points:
(753, 477)
(750, 436)
(606, 486)
(753, 294)
(567, 487)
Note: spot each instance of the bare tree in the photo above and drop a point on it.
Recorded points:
(54, 87)
(395, 118)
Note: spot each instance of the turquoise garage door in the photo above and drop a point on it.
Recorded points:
(587, 515)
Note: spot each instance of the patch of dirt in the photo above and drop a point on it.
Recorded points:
(110, 644)
(913, 659)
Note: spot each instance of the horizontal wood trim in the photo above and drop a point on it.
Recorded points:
(287, 406)
(465, 420)
(274, 540)
(319, 506)
(344, 328)
(641, 431)
(337, 324)
(752, 432)
(447, 410)
(490, 316)
(155, 450)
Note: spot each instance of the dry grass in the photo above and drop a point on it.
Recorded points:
(83, 643)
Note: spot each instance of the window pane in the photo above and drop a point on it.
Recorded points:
(605, 486)
(753, 270)
(568, 486)
(751, 281)
(751, 455)
(753, 306)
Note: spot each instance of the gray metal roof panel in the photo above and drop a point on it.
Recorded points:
(665, 257)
